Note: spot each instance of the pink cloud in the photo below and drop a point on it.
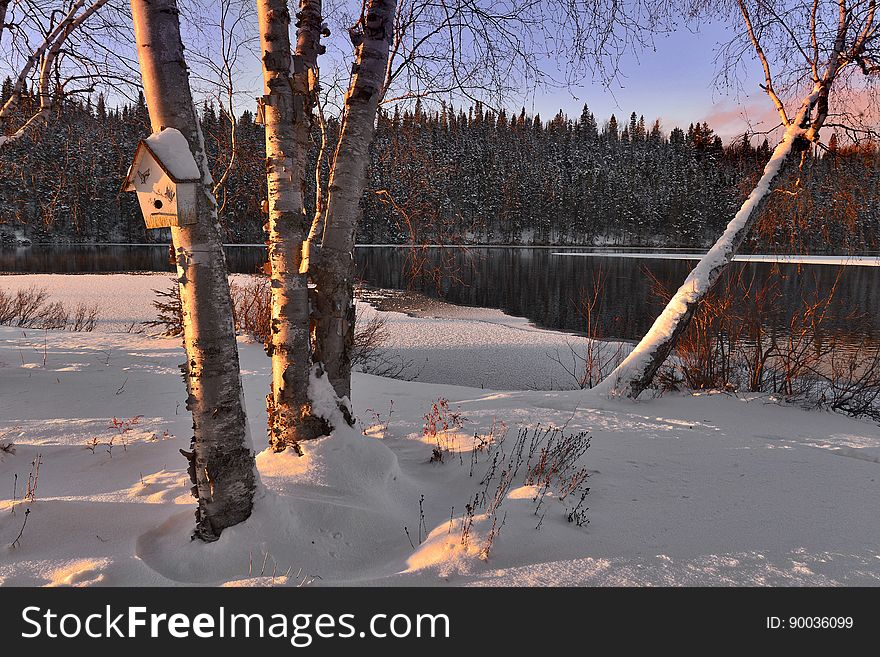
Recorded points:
(731, 121)
(757, 114)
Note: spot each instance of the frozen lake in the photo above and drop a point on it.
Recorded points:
(541, 284)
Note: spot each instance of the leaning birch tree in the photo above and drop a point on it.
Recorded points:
(222, 464)
(819, 47)
(289, 95)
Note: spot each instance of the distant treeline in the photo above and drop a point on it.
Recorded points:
(450, 175)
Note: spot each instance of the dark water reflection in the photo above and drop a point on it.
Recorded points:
(545, 288)
(77, 259)
(531, 283)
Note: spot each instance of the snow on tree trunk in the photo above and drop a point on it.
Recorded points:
(636, 372)
(334, 273)
(222, 460)
(286, 104)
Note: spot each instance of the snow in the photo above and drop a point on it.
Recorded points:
(707, 489)
(479, 347)
(505, 351)
(172, 150)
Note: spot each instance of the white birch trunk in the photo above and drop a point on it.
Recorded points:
(222, 460)
(287, 102)
(636, 372)
(334, 273)
(4, 5)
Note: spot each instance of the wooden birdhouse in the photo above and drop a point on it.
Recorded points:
(165, 176)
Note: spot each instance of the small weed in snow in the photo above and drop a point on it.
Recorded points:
(122, 426)
(544, 458)
(33, 478)
(17, 542)
(441, 426)
(378, 423)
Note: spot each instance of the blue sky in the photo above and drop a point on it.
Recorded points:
(675, 83)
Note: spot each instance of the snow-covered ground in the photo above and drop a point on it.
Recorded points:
(708, 489)
(477, 347)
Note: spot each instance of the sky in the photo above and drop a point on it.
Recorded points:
(675, 82)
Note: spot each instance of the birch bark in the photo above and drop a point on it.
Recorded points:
(222, 460)
(635, 373)
(334, 270)
(4, 6)
(287, 111)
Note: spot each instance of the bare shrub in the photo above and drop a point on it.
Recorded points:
(545, 457)
(252, 308)
(30, 308)
(704, 355)
(85, 318)
(252, 313)
(370, 336)
(735, 343)
(852, 382)
(23, 308)
(369, 353)
(54, 316)
(441, 427)
(6, 313)
(588, 365)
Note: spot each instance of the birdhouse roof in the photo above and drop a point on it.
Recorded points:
(170, 149)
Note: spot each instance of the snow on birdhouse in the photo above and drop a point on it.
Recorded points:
(165, 176)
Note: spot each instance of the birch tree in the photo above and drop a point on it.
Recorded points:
(334, 273)
(818, 43)
(44, 59)
(222, 464)
(289, 94)
(4, 7)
